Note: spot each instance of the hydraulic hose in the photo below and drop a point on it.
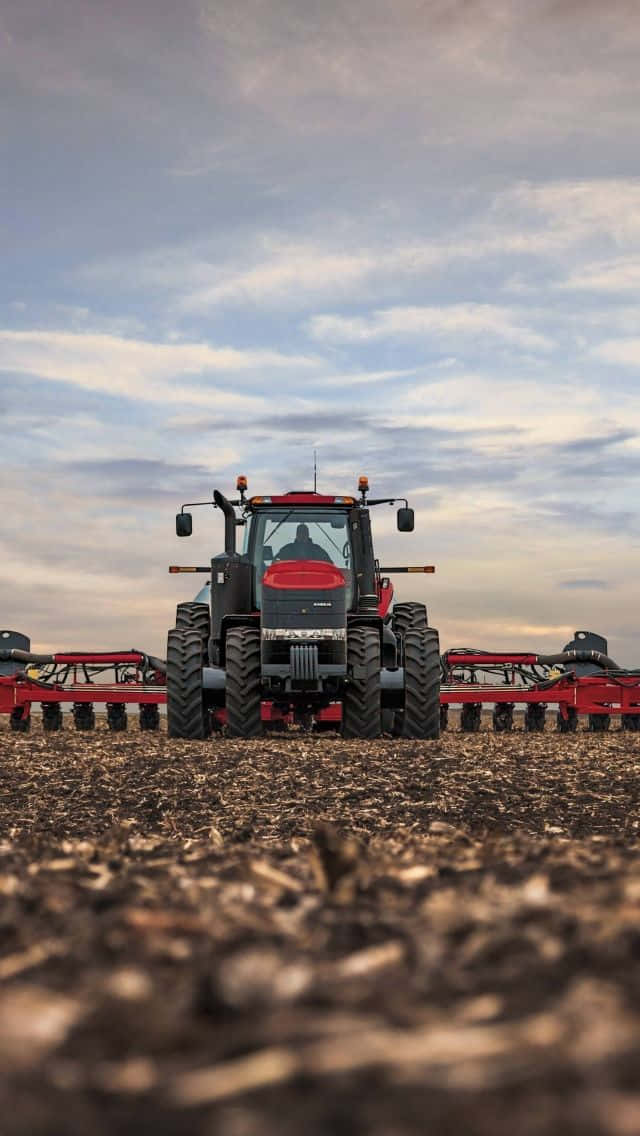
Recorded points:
(15, 655)
(596, 657)
(82, 658)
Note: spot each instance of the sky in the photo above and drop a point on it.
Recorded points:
(405, 234)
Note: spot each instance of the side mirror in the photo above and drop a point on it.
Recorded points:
(405, 520)
(184, 524)
(267, 552)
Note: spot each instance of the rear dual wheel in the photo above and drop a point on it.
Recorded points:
(419, 653)
(195, 617)
(407, 617)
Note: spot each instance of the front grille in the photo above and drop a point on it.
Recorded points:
(328, 651)
(303, 661)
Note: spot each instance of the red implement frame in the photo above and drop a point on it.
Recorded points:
(69, 682)
(603, 693)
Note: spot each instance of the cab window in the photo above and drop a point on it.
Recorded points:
(298, 534)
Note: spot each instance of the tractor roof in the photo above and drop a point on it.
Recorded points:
(301, 497)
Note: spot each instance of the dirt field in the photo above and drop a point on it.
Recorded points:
(302, 935)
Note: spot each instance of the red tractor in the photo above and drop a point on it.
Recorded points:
(300, 625)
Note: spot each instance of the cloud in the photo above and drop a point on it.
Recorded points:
(580, 208)
(371, 60)
(530, 234)
(596, 443)
(141, 480)
(293, 271)
(483, 320)
(587, 583)
(620, 275)
(625, 352)
(133, 368)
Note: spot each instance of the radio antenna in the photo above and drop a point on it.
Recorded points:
(315, 471)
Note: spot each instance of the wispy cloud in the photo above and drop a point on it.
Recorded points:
(439, 322)
(619, 275)
(625, 352)
(130, 368)
(581, 585)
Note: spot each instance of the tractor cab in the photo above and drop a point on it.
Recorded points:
(298, 528)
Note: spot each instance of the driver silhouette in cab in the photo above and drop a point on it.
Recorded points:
(303, 548)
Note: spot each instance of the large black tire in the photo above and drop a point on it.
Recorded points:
(186, 713)
(361, 713)
(406, 617)
(51, 716)
(149, 716)
(84, 716)
(631, 722)
(196, 617)
(116, 716)
(243, 690)
(599, 723)
(421, 715)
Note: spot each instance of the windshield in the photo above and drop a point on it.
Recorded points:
(299, 534)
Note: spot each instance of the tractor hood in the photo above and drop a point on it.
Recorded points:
(303, 575)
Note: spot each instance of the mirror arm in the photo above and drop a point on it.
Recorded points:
(388, 501)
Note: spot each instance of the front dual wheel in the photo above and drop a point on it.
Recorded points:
(361, 711)
(243, 683)
(187, 716)
(419, 716)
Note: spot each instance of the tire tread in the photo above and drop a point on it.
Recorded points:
(361, 707)
(421, 717)
(243, 689)
(186, 715)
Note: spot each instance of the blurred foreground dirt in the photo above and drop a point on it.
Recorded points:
(302, 935)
